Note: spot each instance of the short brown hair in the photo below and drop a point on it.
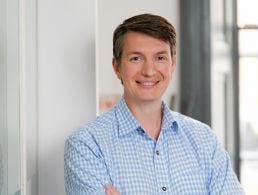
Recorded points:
(153, 25)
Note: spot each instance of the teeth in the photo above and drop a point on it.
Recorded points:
(148, 83)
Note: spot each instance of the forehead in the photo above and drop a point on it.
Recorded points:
(140, 42)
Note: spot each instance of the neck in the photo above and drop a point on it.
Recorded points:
(149, 115)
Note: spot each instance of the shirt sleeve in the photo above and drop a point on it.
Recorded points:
(223, 179)
(84, 166)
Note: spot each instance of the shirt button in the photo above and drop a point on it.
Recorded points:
(164, 188)
(157, 152)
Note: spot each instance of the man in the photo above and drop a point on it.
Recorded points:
(140, 146)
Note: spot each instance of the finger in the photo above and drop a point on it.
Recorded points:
(111, 190)
(108, 190)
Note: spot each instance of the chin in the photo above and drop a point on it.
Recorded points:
(150, 99)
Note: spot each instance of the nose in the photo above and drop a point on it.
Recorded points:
(148, 68)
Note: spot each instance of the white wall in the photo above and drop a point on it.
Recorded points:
(66, 82)
(111, 13)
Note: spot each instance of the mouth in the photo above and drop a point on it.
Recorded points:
(147, 84)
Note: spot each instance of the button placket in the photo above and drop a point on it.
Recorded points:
(160, 165)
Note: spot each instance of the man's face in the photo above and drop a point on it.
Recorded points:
(146, 67)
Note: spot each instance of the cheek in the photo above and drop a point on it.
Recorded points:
(166, 71)
(128, 73)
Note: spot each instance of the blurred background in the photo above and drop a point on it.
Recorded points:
(56, 74)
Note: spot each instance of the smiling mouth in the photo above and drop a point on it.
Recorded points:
(147, 84)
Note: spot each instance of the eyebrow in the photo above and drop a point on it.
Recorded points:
(140, 53)
(163, 52)
(134, 52)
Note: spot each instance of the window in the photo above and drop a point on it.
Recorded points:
(248, 93)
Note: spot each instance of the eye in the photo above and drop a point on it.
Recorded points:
(135, 59)
(162, 58)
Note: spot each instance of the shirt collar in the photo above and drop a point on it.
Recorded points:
(128, 123)
(169, 119)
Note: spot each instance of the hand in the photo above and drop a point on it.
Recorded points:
(111, 190)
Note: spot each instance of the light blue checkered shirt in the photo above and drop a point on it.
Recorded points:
(114, 149)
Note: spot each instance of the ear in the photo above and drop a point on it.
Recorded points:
(116, 68)
(174, 61)
(173, 65)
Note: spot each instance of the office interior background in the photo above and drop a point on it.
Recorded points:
(56, 74)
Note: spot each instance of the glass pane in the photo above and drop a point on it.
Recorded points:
(248, 97)
(247, 12)
(249, 176)
(248, 81)
(248, 40)
(9, 99)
